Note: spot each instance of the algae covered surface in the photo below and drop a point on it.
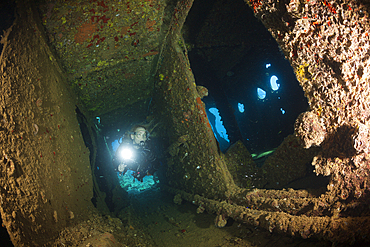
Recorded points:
(45, 171)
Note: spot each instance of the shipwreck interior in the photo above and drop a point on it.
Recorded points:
(258, 113)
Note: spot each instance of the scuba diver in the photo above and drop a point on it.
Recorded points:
(134, 154)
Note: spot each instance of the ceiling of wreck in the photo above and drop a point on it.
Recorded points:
(107, 48)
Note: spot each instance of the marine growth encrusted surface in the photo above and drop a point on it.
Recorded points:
(327, 44)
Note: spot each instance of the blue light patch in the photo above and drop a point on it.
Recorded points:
(282, 111)
(115, 144)
(261, 93)
(274, 86)
(219, 125)
(268, 65)
(131, 184)
(241, 107)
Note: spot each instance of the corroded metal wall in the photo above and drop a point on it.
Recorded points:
(45, 175)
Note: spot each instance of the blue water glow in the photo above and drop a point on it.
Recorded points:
(261, 93)
(241, 107)
(115, 144)
(219, 125)
(274, 86)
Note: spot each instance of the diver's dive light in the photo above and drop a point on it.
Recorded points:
(126, 153)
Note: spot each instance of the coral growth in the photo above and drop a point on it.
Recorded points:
(361, 139)
(220, 221)
(202, 91)
(309, 129)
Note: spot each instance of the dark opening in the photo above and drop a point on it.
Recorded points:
(235, 57)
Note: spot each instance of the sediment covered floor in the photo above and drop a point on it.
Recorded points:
(153, 219)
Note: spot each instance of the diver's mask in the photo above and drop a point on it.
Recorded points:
(140, 136)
